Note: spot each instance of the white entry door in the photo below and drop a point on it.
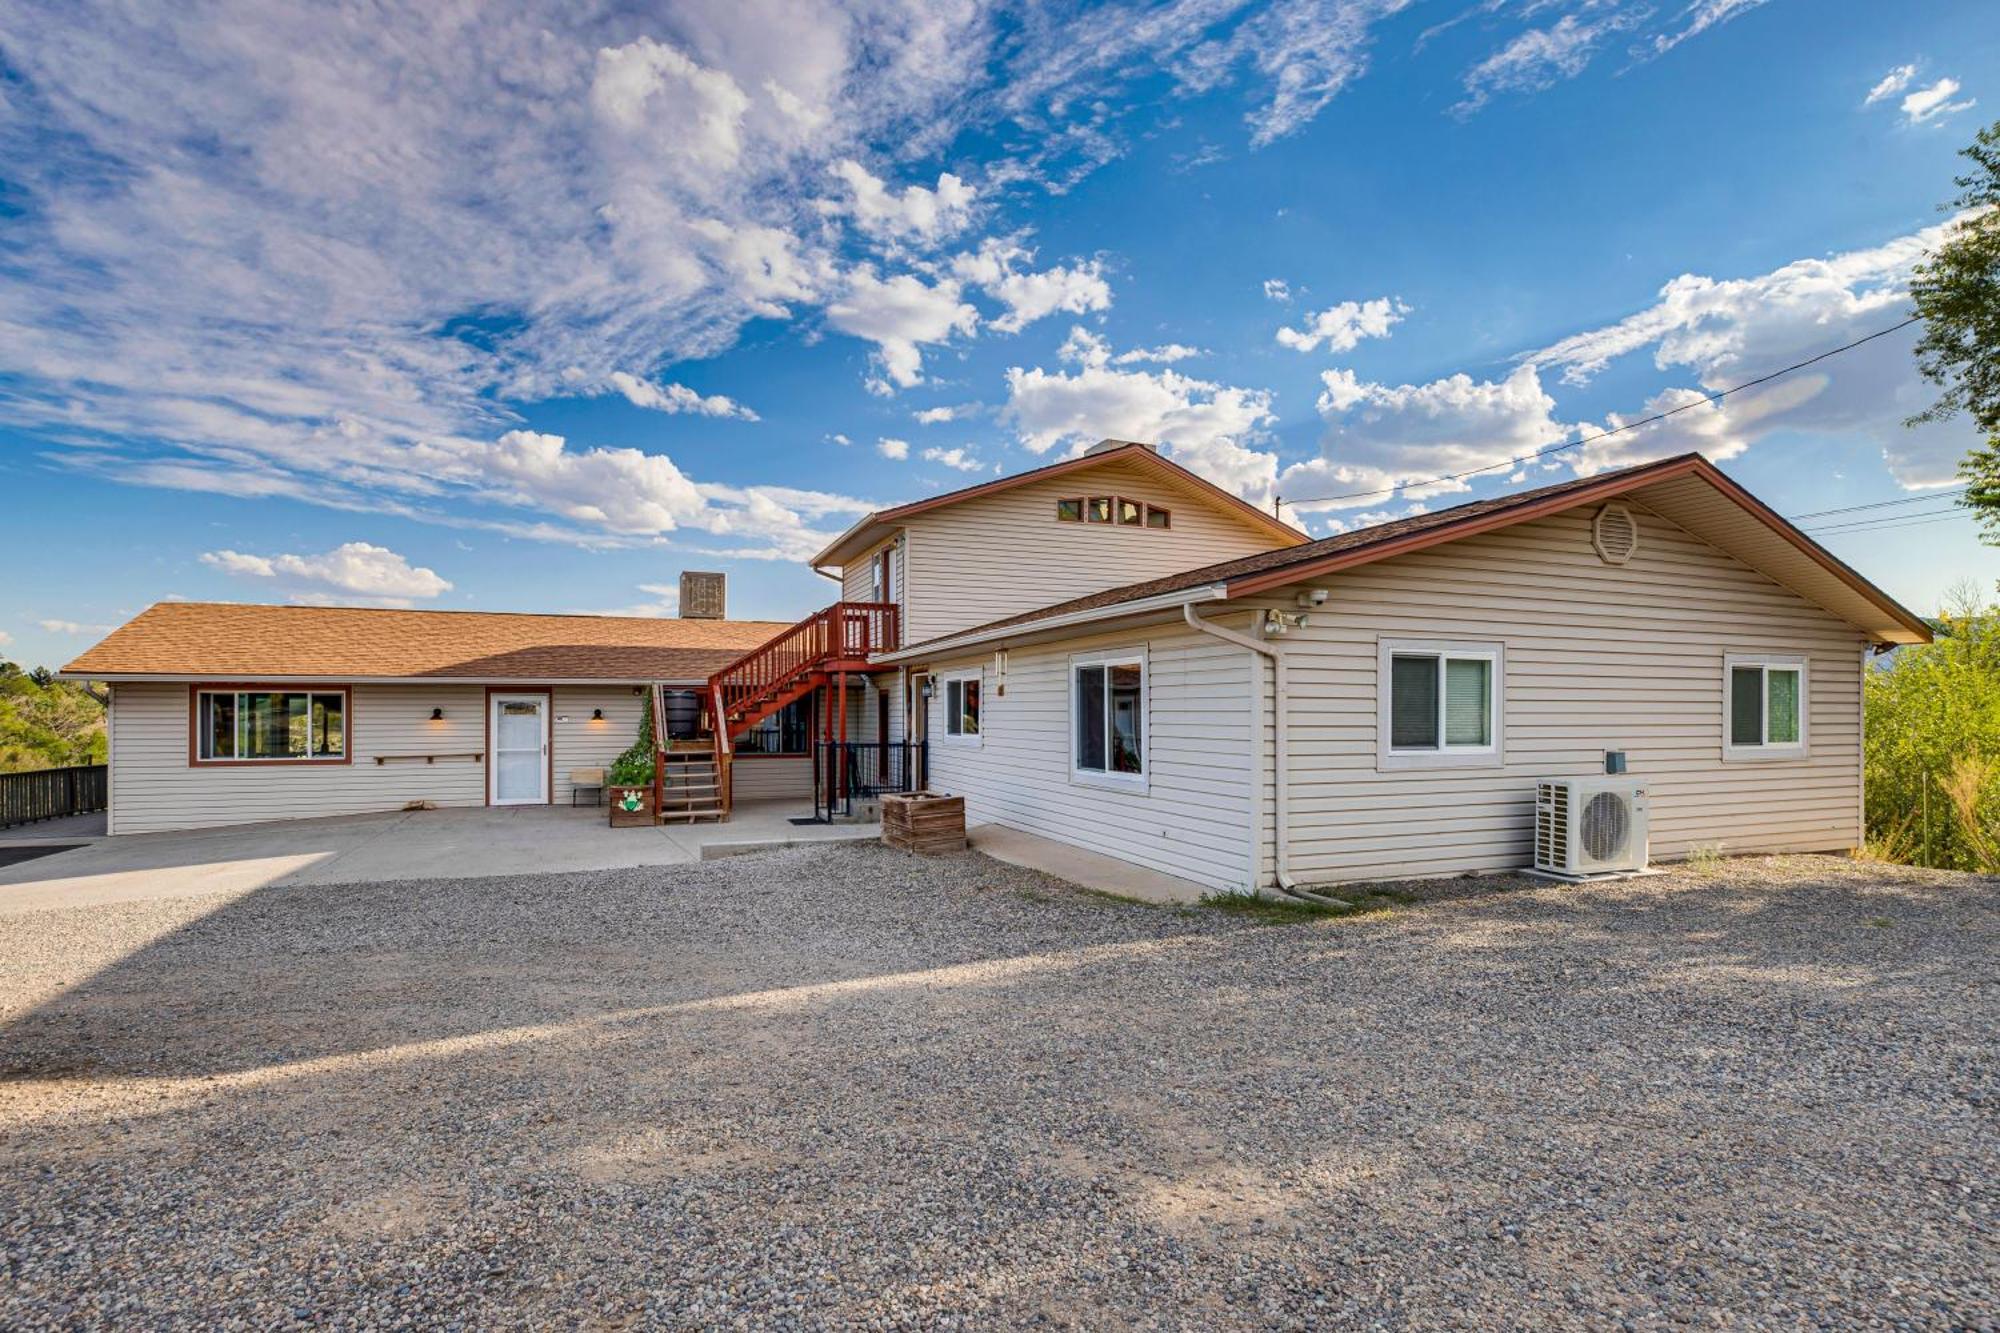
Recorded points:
(518, 768)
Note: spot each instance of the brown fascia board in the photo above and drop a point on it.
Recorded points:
(1131, 452)
(1619, 484)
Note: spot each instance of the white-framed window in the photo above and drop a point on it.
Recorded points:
(1108, 719)
(270, 726)
(964, 702)
(1439, 704)
(1764, 706)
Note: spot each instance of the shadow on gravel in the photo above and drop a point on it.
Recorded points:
(850, 1087)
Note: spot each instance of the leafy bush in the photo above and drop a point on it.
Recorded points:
(634, 768)
(1933, 745)
(47, 723)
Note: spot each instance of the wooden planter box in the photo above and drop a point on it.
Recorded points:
(924, 822)
(620, 816)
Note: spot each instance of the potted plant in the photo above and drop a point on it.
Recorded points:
(629, 783)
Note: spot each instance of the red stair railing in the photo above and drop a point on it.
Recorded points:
(846, 633)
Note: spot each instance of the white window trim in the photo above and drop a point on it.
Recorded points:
(1142, 781)
(1389, 759)
(1764, 754)
(942, 733)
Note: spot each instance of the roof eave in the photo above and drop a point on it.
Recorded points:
(1207, 592)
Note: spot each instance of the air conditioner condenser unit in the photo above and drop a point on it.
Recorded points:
(1588, 827)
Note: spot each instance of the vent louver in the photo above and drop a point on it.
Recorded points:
(1615, 534)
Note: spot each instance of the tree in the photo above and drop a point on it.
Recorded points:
(1957, 294)
(47, 723)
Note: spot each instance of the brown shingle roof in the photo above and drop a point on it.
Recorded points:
(231, 641)
(1249, 573)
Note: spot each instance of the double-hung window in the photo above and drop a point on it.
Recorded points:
(962, 707)
(1108, 719)
(1764, 716)
(266, 726)
(1440, 704)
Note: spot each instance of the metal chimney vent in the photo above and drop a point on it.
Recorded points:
(704, 595)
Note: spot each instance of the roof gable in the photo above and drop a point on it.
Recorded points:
(1109, 454)
(1687, 490)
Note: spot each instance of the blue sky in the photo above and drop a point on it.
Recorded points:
(530, 311)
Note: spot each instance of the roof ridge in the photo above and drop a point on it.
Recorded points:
(456, 611)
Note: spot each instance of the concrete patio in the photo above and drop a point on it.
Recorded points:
(399, 845)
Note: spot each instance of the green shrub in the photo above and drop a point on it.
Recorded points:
(634, 768)
(1932, 750)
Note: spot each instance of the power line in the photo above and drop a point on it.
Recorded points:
(1706, 400)
(1882, 504)
(1898, 521)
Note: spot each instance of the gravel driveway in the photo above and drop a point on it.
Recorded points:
(841, 1087)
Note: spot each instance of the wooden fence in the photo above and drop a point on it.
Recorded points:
(51, 793)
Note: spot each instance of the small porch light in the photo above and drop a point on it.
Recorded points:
(437, 714)
(597, 715)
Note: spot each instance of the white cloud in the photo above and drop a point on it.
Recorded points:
(677, 398)
(995, 268)
(361, 569)
(1380, 436)
(1726, 331)
(958, 458)
(1891, 83)
(1342, 327)
(5, 638)
(1165, 354)
(1700, 16)
(66, 627)
(663, 602)
(1277, 289)
(1206, 426)
(933, 416)
(897, 449)
(916, 213)
(1542, 57)
(1934, 103)
(1306, 52)
(898, 315)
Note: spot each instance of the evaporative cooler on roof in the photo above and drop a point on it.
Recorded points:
(703, 595)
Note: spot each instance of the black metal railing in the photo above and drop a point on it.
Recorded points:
(51, 793)
(844, 771)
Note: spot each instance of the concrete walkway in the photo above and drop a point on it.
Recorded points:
(1092, 870)
(427, 844)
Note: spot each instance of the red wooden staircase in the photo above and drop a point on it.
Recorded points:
(809, 654)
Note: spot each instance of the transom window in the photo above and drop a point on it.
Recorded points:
(961, 706)
(1765, 717)
(1113, 509)
(1440, 704)
(257, 725)
(1108, 719)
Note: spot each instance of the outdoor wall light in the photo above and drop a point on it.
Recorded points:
(597, 715)
(437, 714)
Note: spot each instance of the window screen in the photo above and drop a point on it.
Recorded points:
(961, 707)
(1746, 706)
(1413, 702)
(1090, 738)
(1782, 692)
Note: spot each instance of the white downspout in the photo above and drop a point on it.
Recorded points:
(1281, 810)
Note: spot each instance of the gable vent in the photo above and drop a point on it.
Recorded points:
(1615, 534)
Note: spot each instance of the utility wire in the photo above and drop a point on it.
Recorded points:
(1903, 522)
(1882, 504)
(1705, 400)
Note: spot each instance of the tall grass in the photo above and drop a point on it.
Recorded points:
(1933, 745)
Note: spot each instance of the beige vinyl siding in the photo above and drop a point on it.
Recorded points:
(857, 579)
(1193, 820)
(579, 742)
(773, 778)
(153, 787)
(1597, 657)
(985, 559)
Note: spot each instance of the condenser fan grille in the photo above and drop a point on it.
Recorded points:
(1606, 826)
